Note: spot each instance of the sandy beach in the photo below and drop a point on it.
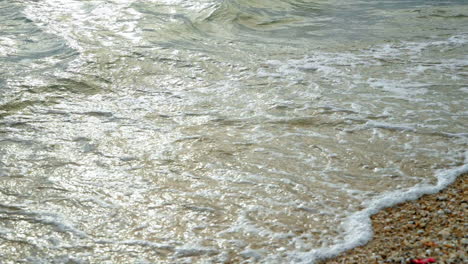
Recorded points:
(434, 226)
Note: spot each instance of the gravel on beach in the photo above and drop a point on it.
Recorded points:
(434, 226)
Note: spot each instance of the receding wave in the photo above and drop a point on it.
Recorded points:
(171, 131)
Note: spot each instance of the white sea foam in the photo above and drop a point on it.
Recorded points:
(358, 226)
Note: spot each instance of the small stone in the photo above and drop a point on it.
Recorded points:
(442, 198)
(430, 244)
(445, 233)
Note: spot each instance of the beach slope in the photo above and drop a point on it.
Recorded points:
(433, 226)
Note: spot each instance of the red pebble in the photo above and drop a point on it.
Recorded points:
(423, 261)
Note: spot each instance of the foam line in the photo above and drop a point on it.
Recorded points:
(358, 226)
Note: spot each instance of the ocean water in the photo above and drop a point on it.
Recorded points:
(222, 131)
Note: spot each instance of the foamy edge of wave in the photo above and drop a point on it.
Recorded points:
(358, 226)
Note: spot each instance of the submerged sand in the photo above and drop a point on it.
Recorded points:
(434, 226)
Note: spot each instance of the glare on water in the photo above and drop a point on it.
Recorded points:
(221, 131)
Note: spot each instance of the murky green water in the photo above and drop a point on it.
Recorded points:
(221, 131)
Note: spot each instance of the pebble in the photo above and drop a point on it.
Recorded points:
(442, 198)
(445, 233)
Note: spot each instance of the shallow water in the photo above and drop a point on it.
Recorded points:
(221, 131)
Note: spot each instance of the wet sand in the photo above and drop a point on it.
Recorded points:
(434, 226)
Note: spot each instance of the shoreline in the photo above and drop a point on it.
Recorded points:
(433, 226)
